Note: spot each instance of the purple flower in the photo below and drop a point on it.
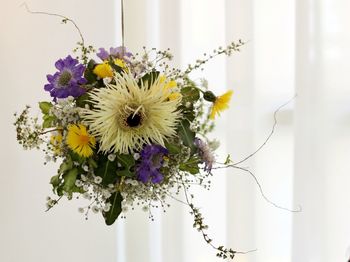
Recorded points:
(151, 162)
(116, 52)
(68, 80)
(205, 154)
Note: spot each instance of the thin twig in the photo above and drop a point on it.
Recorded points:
(57, 15)
(270, 134)
(299, 209)
(229, 252)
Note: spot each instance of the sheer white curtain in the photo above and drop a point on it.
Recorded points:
(294, 46)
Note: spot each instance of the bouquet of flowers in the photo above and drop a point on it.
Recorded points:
(128, 130)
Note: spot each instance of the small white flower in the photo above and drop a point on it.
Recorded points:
(86, 168)
(124, 195)
(106, 194)
(107, 207)
(134, 182)
(111, 157)
(78, 183)
(86, 195)
(107, 80)
(98, 179)
(136, 156)
(95, 209)
(83, 178)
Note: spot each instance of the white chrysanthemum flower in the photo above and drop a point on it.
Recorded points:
(127, 115)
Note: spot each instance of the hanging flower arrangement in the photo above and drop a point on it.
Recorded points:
(127, 130)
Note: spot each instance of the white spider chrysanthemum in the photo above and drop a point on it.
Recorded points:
(126, 115)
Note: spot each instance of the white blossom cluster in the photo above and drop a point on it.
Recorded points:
(65, 111)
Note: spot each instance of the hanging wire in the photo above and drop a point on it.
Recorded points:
(122, 24)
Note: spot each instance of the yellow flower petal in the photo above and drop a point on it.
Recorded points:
(121, 63)
(80, 141)
(103, 70)
(56, 142)
(220, 104)
(174, 96)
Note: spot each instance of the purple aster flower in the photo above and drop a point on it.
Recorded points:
(68, 80)
(115, 52)
(151, 162)
(205, 154)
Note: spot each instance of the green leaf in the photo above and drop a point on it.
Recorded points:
(55, 181)
(116, 208)
(66, 165)
(45, 107)
(190, 166)
(89, 74)
(69, 179)
(107, 170)
(149, 78)
(186, 134)
(190, 94)
(48, 121)
(172, 148)
(127, 162)
(228, 160)
(81, 101)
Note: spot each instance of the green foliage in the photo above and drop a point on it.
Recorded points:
(186, 134)
(89, 74)
(190, 94)
(127, 162)
(116, 208)
(69, 180)
(106, 170)
(228, 160)
(190, 166)
(45, 107)
(48, 119)
(149, 78)
(82, 100)
(173, 148)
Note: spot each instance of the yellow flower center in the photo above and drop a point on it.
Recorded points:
(84, 139)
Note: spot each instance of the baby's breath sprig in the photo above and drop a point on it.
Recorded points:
(28, 130)
(228, 51)
(198, 223)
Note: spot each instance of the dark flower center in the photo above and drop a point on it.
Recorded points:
(64, 78)
(134, 120)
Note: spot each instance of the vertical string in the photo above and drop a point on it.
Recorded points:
(122, 24)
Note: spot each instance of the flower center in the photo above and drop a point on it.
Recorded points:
(134, 120)
(84, 139)
(64, 78)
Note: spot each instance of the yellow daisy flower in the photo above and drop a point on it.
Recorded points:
(80, 141)
(56, 142)
(220, 104)
(103, 70)
(170, 86)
